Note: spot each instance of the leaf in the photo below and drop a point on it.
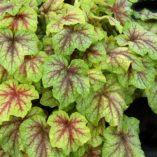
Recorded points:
(96, 79)
(139, 40)
(47, 99)
(15, 99)
(25, 19)
(123, 142)
(34, 137)
(2, 153)
(10, 139)
(68, 133)
(14, 46)
(3, 74)
(93, 152)
(72, 16)
(108, 102)
(120, 9)
(70, 38)
(68, 81)
(31, 69)
(139, 78)
(95, 54)
(118, 60)
(151, 96)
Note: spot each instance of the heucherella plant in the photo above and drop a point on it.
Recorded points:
(68, 71)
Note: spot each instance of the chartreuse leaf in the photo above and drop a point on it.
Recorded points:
(25, 19)
(68, 80)
(9, 133)
(123, 142)
(35, 138)
(107, 102)
(70, 38)
(31, 68)
(138, 39)
(14, 46)
(68, 133)
(47, 99)
(140, 77)
(2, 153)
(72, 16)
(151, 96)
(95, 54)
(96, 78)
(15, 99)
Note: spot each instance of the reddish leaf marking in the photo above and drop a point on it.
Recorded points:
(68, 127)
(71, 17)
(93, 152)
(119, 10)
(23, 17)
(39, 133)
(14, 95)
(33, 62)
(4, 8)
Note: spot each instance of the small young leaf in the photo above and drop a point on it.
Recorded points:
(25, 19)
(123, 142)
(31, 69)
(47, 99)
(68, 81)
(68, 133)
(14, 46)
(70, 38)
(139, 40)
(34, 137)
(15, 99)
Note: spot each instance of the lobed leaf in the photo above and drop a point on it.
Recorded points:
(15, 99)
(68, 81)
(14, 46)
(68, 133)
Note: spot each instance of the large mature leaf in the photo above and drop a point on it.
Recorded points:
(15, 99)
(123, 142)
(70, 38)
(107, 102)
(25, 19)
(9, 133)
(139, 40)
(14, 46)
(35, 137)
(31, 69)
(68, 133)
(72, 16)
(68, 81)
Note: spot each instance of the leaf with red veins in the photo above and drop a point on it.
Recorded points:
(10, 139)
(68, 80)
(68, 133)
(79, 37)
(95, 54)
(123, 142)
(120, 10)
(72, 16)
(14, 46)
(25, 19)
(138, 40)
(107, 102)
(93, 152)
(34, 134)
(15, 99)
(31, 69)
